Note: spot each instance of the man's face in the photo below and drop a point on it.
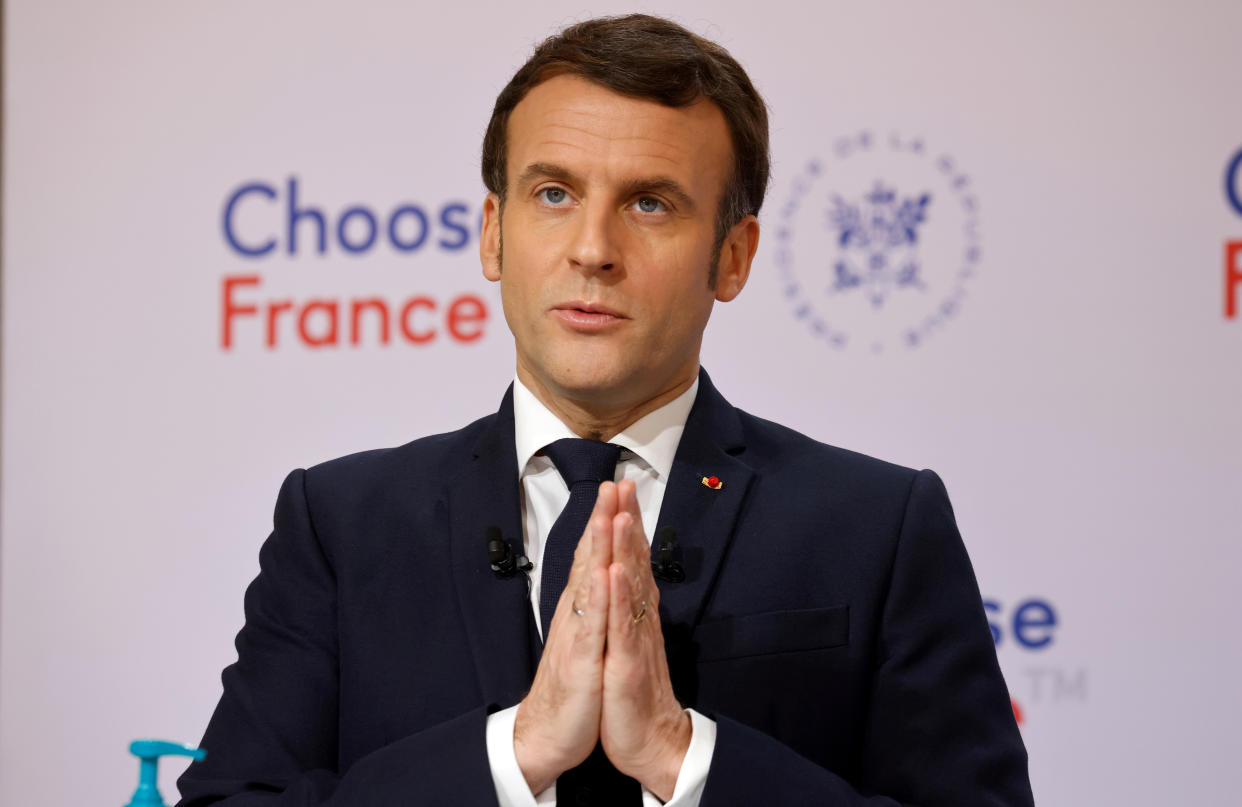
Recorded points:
(608, 229)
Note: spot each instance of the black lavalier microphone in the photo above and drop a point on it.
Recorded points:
(501, 557)
(664, 567)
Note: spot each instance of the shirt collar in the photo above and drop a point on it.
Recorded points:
(653, 437)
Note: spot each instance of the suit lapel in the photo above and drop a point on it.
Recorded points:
(496, 610)
(704, 518)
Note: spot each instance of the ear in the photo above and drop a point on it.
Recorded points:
(489, 238)
(736, 255)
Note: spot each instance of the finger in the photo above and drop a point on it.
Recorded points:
(578, 587)
(600, 525)
(599, 528)
(627, 499)
(594, 631)
(627, 502)
(622, 541)
(631, 552)
(590, 554)
(606, 499)
(620, 611)
(604, 504)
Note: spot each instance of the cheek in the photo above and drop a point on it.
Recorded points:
(682, 274)
(520, 302)
(522, 279)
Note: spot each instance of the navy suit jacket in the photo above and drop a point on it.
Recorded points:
(829, 622)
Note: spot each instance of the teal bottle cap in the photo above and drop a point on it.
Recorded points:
(149, 752)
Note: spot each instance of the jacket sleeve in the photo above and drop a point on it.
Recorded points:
(940, 730)
(273, 737)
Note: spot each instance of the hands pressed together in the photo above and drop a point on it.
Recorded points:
(603, 676)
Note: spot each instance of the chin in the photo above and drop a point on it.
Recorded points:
(584, 378)
(591, 383)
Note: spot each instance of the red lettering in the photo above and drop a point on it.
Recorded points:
(410, 334)
(468, 311)
(231, 310)
(1233, 277)
(355, 319)
(328, 338)
(273, 310)
(318, 320)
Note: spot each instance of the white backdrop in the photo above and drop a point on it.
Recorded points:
(1074, 380)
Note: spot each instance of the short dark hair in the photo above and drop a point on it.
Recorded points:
(652, 58)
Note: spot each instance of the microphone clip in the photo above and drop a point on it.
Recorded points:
(501, 557)
(664, 567)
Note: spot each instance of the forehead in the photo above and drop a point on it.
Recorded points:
(605, 136)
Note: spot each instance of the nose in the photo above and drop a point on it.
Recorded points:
(594, 245)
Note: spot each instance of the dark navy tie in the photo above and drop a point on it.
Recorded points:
(583, 464)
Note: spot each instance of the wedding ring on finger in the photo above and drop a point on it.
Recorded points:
(642, 613)
(577, 611)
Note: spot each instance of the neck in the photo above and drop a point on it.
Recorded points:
(602, 420)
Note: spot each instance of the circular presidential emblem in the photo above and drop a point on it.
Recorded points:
(877, 241)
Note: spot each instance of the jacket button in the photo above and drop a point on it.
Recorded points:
(583, 797)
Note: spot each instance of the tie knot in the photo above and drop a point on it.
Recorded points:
(581, 460)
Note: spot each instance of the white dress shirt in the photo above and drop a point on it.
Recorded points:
(648, 446)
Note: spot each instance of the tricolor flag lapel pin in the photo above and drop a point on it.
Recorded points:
(712, 482)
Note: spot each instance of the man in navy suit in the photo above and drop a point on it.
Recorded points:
(807, 629)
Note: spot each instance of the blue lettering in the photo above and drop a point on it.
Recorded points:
(1231, 182)
(342, 225)
(462, 232)
(416, 212)
(296, 215)
(1033, 623)
(355, 229)
(250, 252)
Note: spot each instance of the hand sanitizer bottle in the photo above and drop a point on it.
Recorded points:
(150, 751)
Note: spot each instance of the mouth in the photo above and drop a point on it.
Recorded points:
(584, 316)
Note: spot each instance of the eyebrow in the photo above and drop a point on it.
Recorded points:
(632, 187)
(537, 171)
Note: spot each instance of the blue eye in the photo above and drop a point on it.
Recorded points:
(553, 196)
(650, 204)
